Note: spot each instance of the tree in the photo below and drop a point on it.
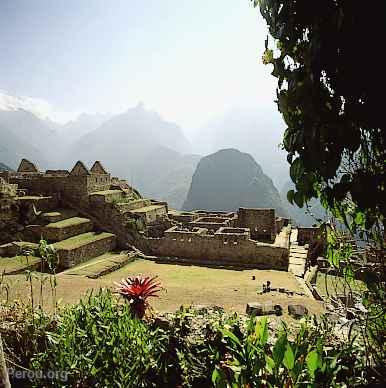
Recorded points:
(329, 81)
(330, 85)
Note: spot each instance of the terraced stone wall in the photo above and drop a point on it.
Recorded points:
(69, 258)
(59, 234)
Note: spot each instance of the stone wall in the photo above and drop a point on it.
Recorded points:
(234, 233)
(220, 248)
(98, 182)
(70, 257)
(150, 213)
(106, 196)
(212, 223)
(40, 203)
(52, 233)
(183, 217)
(261, 222)
(132, 205)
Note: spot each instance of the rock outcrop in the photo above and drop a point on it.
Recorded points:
(229, 179)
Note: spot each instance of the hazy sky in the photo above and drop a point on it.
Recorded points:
(188, 59)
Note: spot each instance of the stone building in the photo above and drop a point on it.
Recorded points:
(74, 185)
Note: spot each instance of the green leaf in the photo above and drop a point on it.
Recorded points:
(313, 361)
(298, 199)
(290, 196)
(296, 169)
(229, 334)
(279, 349)
(261, 330)
(269, 363)
(289, 357)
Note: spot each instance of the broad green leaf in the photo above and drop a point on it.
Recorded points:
(299, 199)
(290, 196)
(279, 349)
(313, 362)
(261, 330)
(270, 364)
(296, 170)
(289, 357)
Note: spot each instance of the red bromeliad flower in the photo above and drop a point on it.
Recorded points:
(136, 290)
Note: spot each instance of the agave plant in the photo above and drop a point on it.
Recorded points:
(136, 290)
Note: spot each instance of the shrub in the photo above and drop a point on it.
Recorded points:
(99, 343)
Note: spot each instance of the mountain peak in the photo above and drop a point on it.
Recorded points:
(229, 179)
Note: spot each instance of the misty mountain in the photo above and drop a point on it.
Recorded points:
(83, 124)
(3, 167)
(123, 141)
(24, 135)
(258, 133)
(166, 175)
(303, 216)
(229, 179)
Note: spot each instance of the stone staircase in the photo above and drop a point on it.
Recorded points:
(297, 255)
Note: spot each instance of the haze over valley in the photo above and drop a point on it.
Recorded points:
(150, 111)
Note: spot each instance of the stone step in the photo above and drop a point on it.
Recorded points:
(297, 270)
(78, 249)
(298, 255)
(294, 235)
(298, 248)
(70, 227)
(18, 264)
(101, 265)
(58, 215)
(15, 248)
(297, 260)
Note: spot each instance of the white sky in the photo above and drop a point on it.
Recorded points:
(188, 60)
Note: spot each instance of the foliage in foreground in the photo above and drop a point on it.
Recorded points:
(99, 342)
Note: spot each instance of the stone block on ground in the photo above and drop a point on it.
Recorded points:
(162, 323)
(259, 309)
(297, 310)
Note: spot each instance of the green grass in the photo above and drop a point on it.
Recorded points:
(98, 265)
(330, 285)
(59, 214)
(68, 222)
(18, 263)
(146, 209)
(183, 285)
(22, 245)
(81, 239)
(107, 192)
(30, 197)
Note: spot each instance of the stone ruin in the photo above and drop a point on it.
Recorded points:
(226, 238)
(86, 213)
